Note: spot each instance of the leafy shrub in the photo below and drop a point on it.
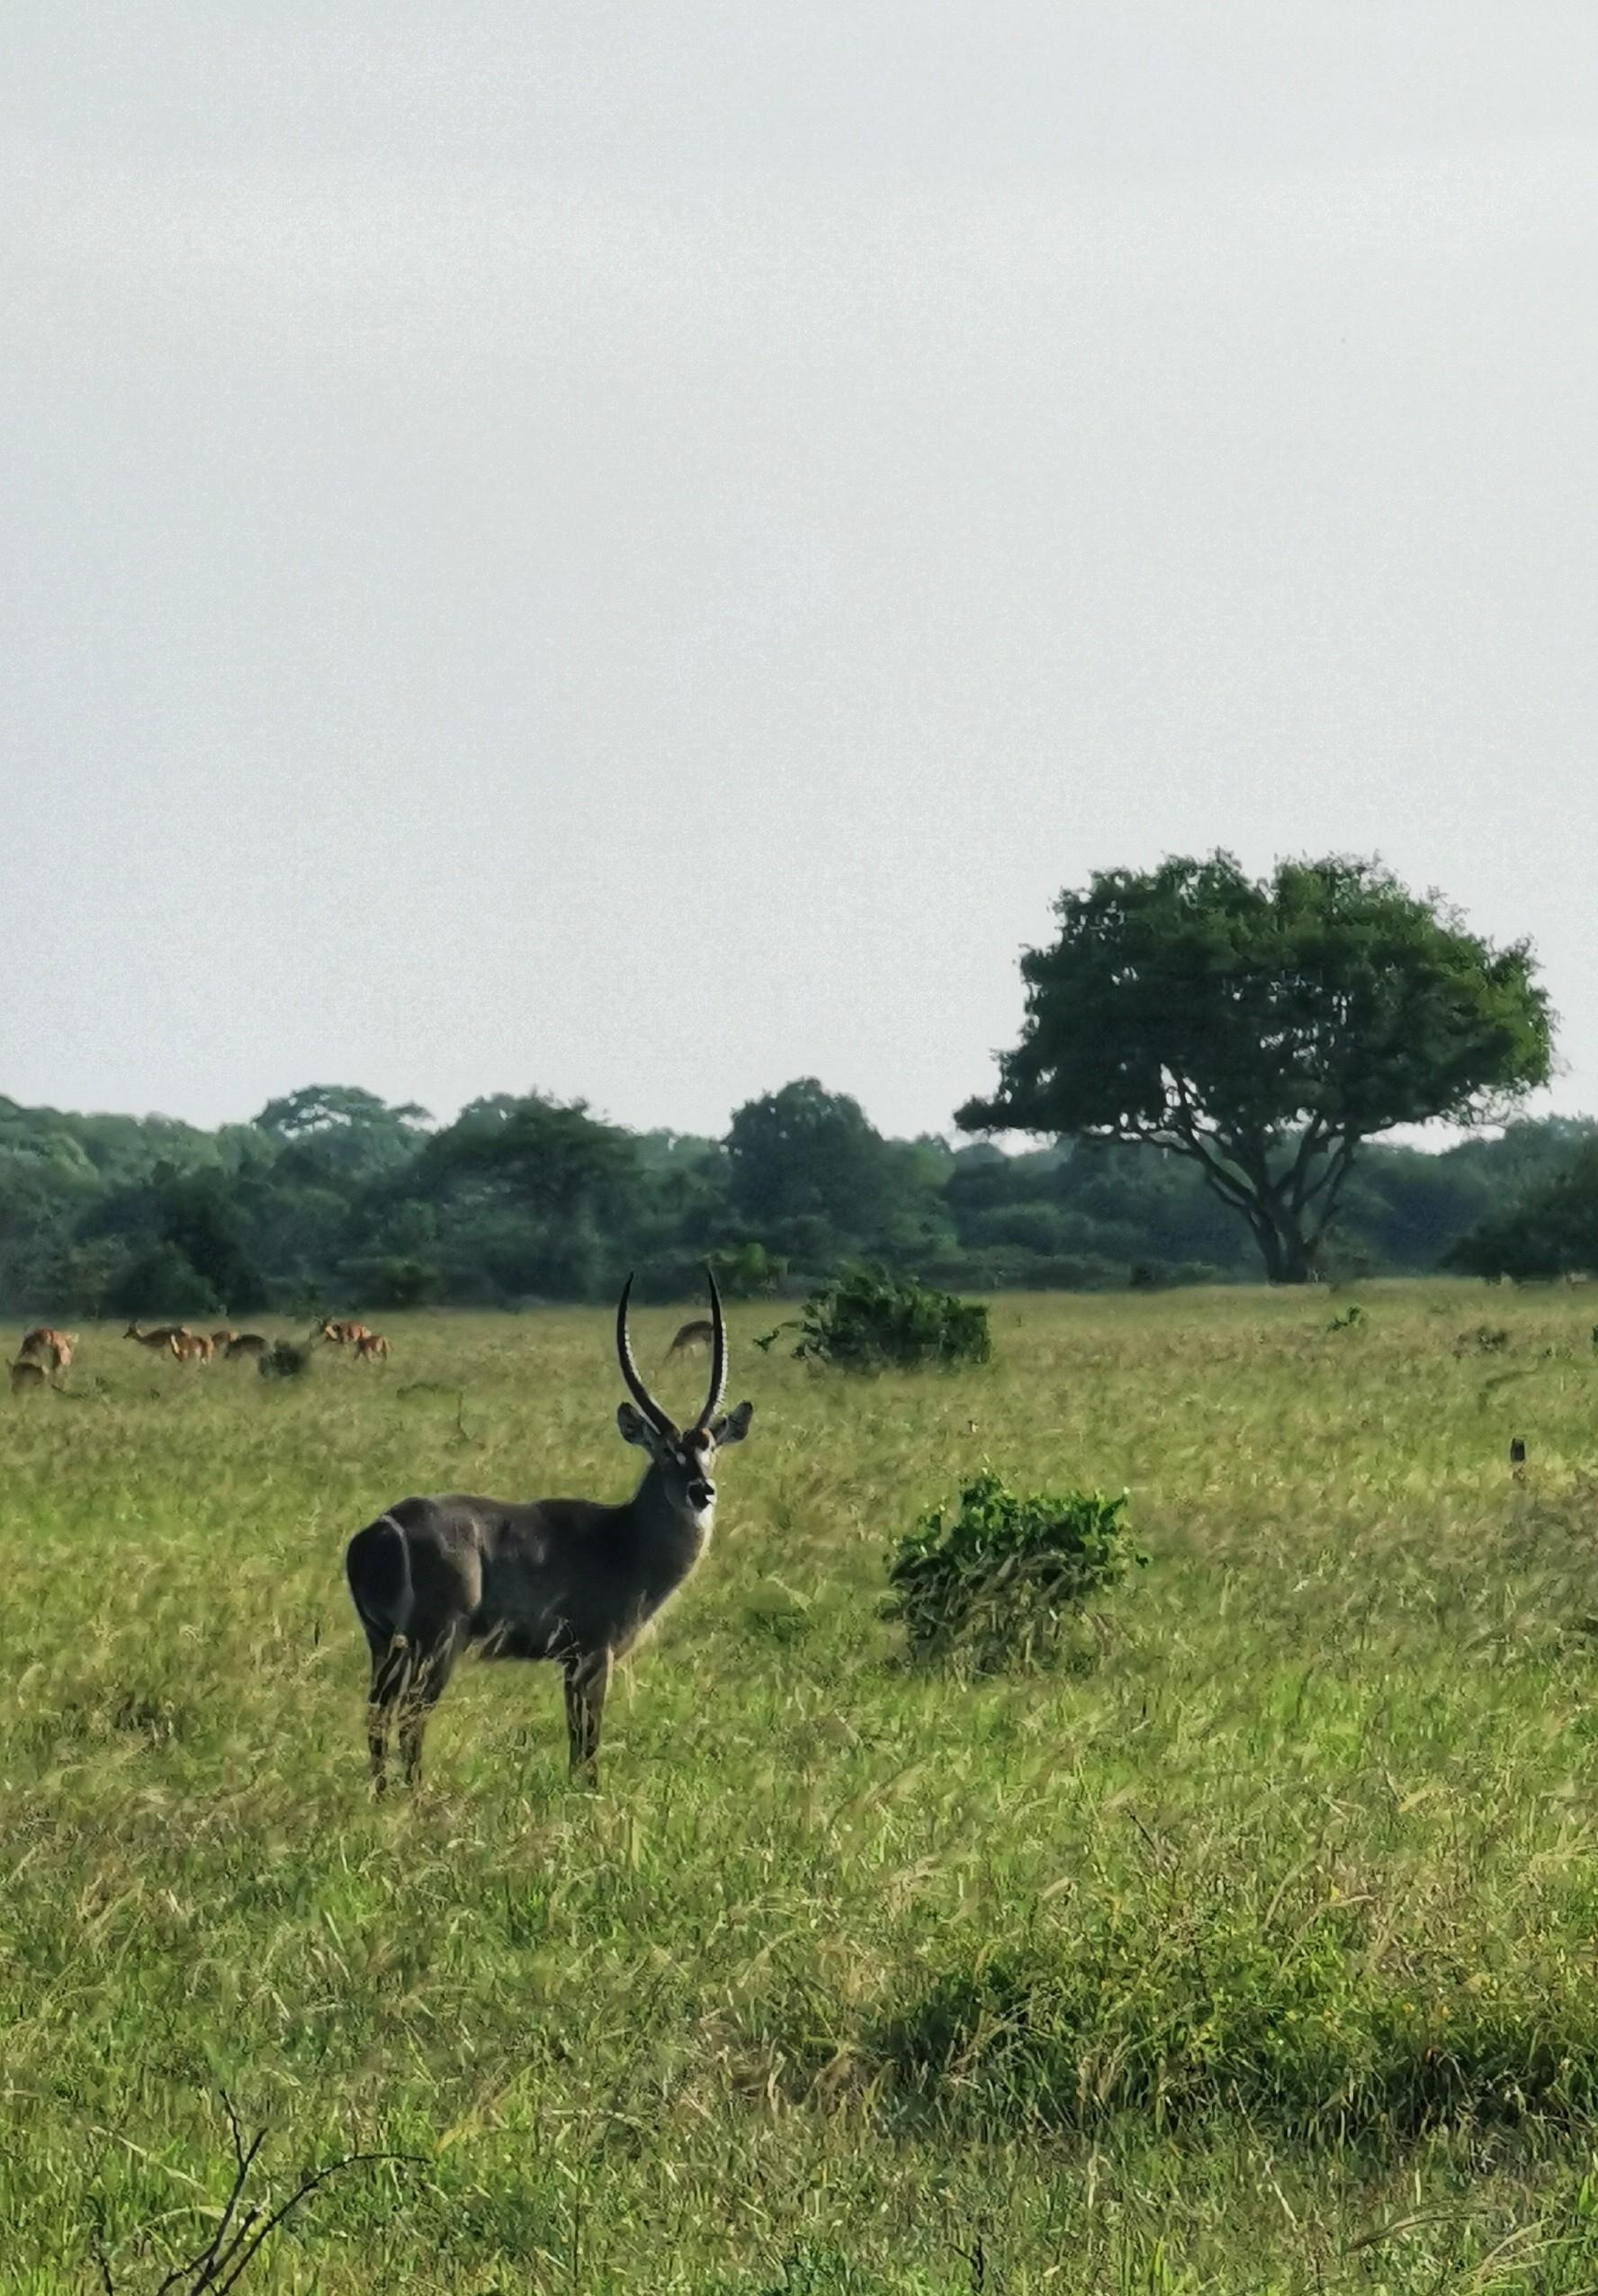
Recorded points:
(998, 1582)
(865, 1320)
(162, 1281)
(1349, 1321)
(283, 1360)
(391, 1279)
(1197, 1271)
(747, 1272)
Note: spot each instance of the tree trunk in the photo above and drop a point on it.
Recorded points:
(1289, 1218)
(1288, 1257)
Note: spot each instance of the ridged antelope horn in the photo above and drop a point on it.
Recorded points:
(718, 1356)
(635, 1386)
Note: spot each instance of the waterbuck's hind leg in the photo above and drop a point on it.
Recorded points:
(422, 1694)
(391, 1673)
(588, 1678)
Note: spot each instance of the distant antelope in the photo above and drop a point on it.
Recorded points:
(224, 1339)
(26, 1372)
(370, 1347)
(343, 1334)
(192, 1347)
(162, 1338)
(42, 1341)
(697, 1334)
(571, 1579)
(245, 1343)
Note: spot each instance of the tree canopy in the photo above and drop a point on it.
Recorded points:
(345, 1124)
(1262, 1030)
(1550, 1230)
(526, 1198)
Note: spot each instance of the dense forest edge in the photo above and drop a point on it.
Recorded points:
(332, 1195)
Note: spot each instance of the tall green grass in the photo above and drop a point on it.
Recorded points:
(1261, 1953)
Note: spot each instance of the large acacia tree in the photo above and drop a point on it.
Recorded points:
(1265, 1029)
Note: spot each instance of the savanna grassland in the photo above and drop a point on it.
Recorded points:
(1255, 1947)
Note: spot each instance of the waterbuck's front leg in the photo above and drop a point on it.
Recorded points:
(588, 1678)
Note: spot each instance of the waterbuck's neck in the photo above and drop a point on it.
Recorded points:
(666, 1541)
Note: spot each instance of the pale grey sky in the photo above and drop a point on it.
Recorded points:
(633, 548)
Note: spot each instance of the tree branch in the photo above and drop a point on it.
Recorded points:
(220, 2261)
(1337, 1170)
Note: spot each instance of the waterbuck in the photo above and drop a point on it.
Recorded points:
(572, 1580)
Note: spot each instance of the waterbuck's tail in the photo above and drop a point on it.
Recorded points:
(377, 1564)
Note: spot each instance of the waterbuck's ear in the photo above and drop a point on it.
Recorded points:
(734, 1427)
(635, 1429)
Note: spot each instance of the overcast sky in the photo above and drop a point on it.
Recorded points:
(632, 550)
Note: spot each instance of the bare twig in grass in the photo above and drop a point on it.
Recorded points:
(242, 2227)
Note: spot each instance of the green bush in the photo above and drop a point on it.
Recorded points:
(162, 1281)
(997, 1582)
(865, 1320)
(284, 1360)
(747, 1272)
(391, 1279)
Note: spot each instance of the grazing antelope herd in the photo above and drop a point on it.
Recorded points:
(571, 1579)
(195, 1346)
(44, 1353)
(368, 1345)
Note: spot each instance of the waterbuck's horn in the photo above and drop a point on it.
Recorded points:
(718, 1355)
(635, 1386)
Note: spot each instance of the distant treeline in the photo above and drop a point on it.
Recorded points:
(331, 1196)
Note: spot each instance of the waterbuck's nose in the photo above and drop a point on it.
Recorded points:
(701, 1493)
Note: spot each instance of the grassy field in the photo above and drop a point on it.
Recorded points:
(1255, 1949)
